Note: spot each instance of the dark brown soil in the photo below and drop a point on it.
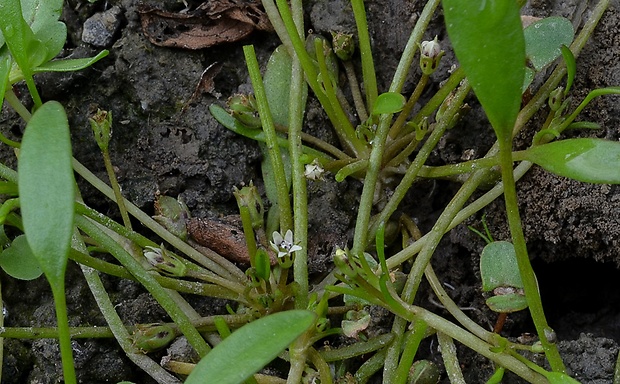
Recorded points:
(163, 141)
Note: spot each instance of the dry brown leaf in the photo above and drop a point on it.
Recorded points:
(212, 23)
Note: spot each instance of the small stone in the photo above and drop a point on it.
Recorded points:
(99, 30)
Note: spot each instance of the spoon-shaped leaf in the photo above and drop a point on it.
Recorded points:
(46, 188)
(589, 160)
(250, 348)
(47, 196)
(487, 38)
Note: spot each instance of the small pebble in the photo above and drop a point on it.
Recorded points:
(100, 29)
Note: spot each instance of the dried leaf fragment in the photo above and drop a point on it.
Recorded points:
(212, 23)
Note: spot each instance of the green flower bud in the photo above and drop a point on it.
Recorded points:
(172, 214)
(249, 197)
(244, 109)
(343, 44)
(165, 261)
(330, 57)
(430, 55)
(423, 372)
(152, 337)
(555, 98)
(101, 123)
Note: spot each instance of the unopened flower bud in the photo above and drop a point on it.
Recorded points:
(152, 337)
(165, 261)
(555, 98)
(172, 214)
(101, 123)
(244, 108)
(343, 44)
(430, 55)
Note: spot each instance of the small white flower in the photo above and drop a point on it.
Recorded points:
(284, 246)
(431, 49)
(314, 171)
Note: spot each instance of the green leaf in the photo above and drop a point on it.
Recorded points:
(42, 16)
(5, 70)
(509, 303)
(487, 38)
(46, 188)
(388, 102)
(544, 38)
(250, 348)
(19, 262)
(586, 159)
(498, 266)
(68, 65)
(571, 67)
(277, 80)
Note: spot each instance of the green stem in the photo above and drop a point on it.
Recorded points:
(412, 342)
(438, 98)
(286, 216)
(451, 362)
(459, 168)
(423, 154)
(530, 286)
(370, 183)
(406, 59)
(116, 325)
(413, 99)
(300, 194)
(334, 111)
(471, 341)
(370, 367)
(64, 336)
(17, 105)
(368, 67)
(321, 365)
(218, 264)
(148, 281)
(357, 349)
(116, 188)
(454, 310)
(183, 286)
(354, 86)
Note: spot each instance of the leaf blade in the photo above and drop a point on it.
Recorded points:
(585, 159)
(250, 348)
(46, 188)
(487, 38)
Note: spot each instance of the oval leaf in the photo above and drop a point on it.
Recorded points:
(388, 102)
(488, 41)
(586, 159)
(19, 262)
(250, 348)
(46, 188)
(277, 82)
(544, 38)
(507, 303)
(498, 266)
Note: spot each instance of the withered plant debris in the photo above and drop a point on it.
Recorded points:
(211, 23)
